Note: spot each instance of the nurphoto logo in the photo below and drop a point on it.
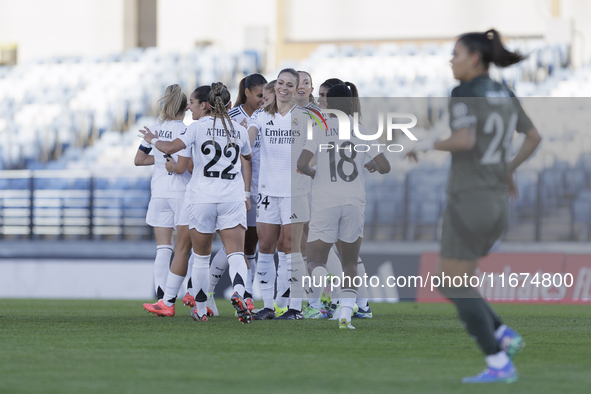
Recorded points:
(345, 129)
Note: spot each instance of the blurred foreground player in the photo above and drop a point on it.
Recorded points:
(483, 117)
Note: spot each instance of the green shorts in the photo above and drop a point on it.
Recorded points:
(472, 223)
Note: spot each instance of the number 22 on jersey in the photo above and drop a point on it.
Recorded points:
(230, 152)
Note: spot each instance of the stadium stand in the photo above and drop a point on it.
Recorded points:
(51, 105)
(68, 115)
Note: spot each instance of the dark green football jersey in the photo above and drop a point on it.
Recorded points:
(495, 114)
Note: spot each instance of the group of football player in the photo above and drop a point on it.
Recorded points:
(266, 199)
(273, 171)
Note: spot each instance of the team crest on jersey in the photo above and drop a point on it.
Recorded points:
(295, 122)
(459, 109)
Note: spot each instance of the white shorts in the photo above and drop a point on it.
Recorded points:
(184, 214)
(209, 217)
(251, 216)
(283, 210)
(344, 222)
(164, 212)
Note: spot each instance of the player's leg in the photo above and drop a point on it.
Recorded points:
(200, 276)
(350, 235)
(189, 299)
(294, 214)
(364, 311)
(268, 229)
(161, 217)
(202, 225)
(250, 246)
(323, 232)
(470, 227)
(283, 291)
(218, 267)
(250, 251)
(350, 252)
(178, 268)
(318, 252)
(329, 299)
(232, 224)
(184, 262)
(164, 242)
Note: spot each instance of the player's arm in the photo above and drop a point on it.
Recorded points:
(531, 142)
(460, 140)
(142, 156)
(379, 164)
(253, 131)
(178, 167)
(246, 172)
(190, 166)
(168, 147)
(247, 176)
(304, 163)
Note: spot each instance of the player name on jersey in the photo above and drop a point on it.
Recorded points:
(222, 133)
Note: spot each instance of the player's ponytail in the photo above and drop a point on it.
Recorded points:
(250, 82)
(491, 49)
(219, 99)
(355, 98)
(311, 96)
(172, 103)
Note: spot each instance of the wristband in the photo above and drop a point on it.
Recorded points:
(154, 141)
(145, 149)
(145, 144)
(247, 194)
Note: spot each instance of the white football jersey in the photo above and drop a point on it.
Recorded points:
(313, 107)
(339, 166)
(282, 139)
(239, 115)
(165, 185)
(216, 174)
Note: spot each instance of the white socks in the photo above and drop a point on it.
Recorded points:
(190, 288)
(500, 331)
(171, 290)
(334, 266)
(252, 262)
(348, 297)
(283, 275)
(266, 277)
(219, 264)
(161, 268)
(238, 271)
(200, 279)
(296, 281)
(318, 277)
(497, 361)
(362, 290)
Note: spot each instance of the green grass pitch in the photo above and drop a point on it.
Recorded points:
(116, 347)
